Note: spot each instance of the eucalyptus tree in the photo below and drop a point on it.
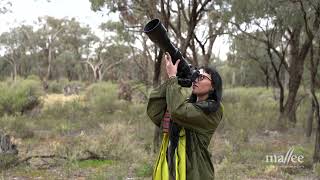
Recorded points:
(73, 47)
(13, 45)
(315, 107)
(48, 33)
(288, 29)
(251, 62)
(194, 25)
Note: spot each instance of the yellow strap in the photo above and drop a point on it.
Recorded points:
(180, 155)
(161, 170)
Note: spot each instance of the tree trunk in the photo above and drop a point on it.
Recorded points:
(48, 75)
(313, 74)
(314, 71)
(267, 77)
(316, 155)
(100, 76)
(298, 56)
(14, 73)
(277, 70)
(233, 81)
(295, 75)
(8, 151)
(310, 119)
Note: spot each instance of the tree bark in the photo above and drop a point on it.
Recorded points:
(316, 155)
(8, 151)
(310, 118)
(314, 71)
(48, 75)
(14, 73)
(295, 74)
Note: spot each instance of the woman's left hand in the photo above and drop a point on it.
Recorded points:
(171, 68)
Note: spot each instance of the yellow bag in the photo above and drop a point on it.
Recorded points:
(161, 170)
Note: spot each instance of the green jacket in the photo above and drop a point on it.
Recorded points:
(200, 125)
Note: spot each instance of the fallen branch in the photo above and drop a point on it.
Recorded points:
(91, 156)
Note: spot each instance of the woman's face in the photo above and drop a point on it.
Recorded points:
(202, 85)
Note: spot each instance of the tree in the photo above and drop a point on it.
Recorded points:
(73, 46)
(107, 53)
(287, 37)
(14, 47)
(51, 28)
(315, 108)
(253, 60)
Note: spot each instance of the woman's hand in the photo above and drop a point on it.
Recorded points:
(171, 68)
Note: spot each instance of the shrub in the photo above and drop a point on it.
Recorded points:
(57, 86)
(19, 97)
(102, 98)
(249, 109)
(17, 126)
(33, 77)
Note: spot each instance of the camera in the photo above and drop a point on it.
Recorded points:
(157, 33)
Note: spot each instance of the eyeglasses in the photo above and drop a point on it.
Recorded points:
(201, 77)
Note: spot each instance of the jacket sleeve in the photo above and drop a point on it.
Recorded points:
(188, 114)
(157, 104)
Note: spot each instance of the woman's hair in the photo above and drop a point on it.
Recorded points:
(215, 95)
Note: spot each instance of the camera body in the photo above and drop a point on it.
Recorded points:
(158, 35)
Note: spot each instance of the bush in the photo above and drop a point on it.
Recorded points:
(57, 86)
(66, 117)
(102, 98)
(33, 77)
(19, 97)
(17, 126)
(249, 109)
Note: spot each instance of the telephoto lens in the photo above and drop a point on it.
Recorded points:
(158, 35)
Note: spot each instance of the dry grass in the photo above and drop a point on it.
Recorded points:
(123, 135)
(51, 99)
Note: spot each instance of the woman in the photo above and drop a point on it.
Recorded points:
(184, 150)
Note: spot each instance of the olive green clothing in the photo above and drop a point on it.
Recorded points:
(188, 115)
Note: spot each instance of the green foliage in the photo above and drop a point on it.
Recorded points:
(306, 152)
(18, 126)
(57, 86)
(102, 98)
(66, 117)
(19, 97)
(249, 109)
(33, 77)
(96, 5)
(7, 160)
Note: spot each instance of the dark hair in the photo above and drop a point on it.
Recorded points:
(215, 95)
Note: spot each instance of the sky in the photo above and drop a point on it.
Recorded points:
(28, 11)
